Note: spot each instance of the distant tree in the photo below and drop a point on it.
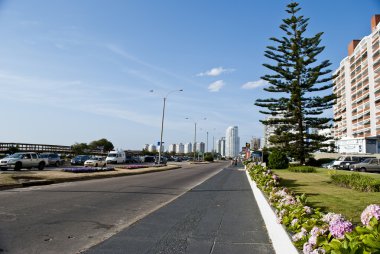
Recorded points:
(13, 149)
(146, 152)
(297, 78)
(79, 148)
(102, 144)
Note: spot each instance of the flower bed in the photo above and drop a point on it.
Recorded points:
(88, 169)
(133, 166)
(314, 231)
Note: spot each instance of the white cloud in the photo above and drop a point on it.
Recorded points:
(254, 84)
(216, 86)
(214, 72)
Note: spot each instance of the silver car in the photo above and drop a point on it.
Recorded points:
(368, 165)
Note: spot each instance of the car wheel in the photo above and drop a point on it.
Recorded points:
(41, 166)
(363, 170)
(57, 164)
(18, 166)
(96, 164)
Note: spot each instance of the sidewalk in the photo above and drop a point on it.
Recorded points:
(218, 216)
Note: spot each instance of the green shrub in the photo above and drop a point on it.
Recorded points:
(294, 164)
(302, 169)
(209, 157)
(312, 162)
(356, 181)
(278, 160)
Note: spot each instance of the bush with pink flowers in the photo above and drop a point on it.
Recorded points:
(313, 231)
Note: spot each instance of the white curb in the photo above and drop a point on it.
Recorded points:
(279, 237)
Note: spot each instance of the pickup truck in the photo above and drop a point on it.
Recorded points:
(18, 161)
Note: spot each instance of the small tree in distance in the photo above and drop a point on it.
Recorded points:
(296, 78)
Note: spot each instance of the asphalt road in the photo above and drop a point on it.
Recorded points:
(72, 217)
(219, 216)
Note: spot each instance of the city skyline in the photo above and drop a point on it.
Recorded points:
(79, 71)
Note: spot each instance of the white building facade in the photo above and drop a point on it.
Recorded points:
(357, 85)
(188, 148)
(232, 142)
(152, 148)
(180, 148)
(221, 146)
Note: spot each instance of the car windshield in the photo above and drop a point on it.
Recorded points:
(367, 160)
(16, 155)
(112, 155)
(341, 158)
(43, 155)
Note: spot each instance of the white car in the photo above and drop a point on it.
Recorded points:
(4, 162)
(95, 162)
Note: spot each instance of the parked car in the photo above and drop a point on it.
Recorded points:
(344, 162)
(18, 161)
(4, 163)
(328, 165)
(369, 164)
(80, 159)
(53, 159)
(96, 161)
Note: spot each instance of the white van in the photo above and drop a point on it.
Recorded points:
(115, 157)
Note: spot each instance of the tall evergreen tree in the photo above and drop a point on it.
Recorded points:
(297, 79)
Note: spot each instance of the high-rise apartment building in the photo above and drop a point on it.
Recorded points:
(221, 146)
(200, 147)
(172, 148)
(188, 148)
(152, 148)
(180, 148)
(232, 141)
(269, 130)
(255, 144)
(357, 85)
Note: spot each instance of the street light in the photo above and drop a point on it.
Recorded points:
(195, 134)
(162, 123)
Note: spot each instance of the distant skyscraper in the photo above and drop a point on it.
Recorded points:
(201, 147)
(152, 148)
(188, 148)
(180, 148)
(172, 148)
(221, 146)
(232, 141)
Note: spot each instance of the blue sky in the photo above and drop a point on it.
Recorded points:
(77, 71)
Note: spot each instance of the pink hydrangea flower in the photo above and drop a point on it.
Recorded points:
(299, 235)
(369, 212)
(294, 222)
(308, 210)
(307, 248)
(318, 251)
(339, 227)
(331, 217)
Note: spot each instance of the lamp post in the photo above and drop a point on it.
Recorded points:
(162, 123)
(195, 135)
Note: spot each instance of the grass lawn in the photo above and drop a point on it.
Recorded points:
(331, 198)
